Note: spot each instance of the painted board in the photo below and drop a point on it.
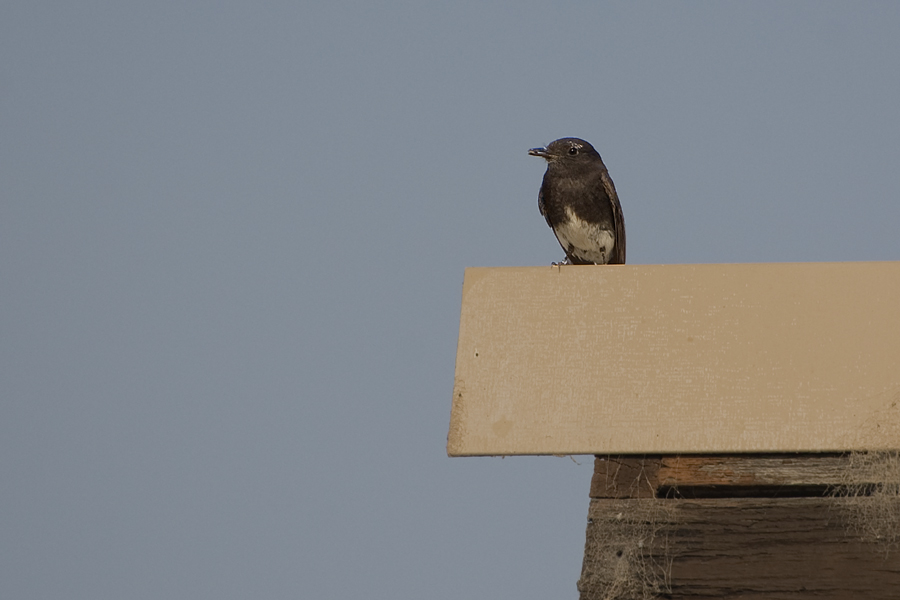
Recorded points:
(624, 359)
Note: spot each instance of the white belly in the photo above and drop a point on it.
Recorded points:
(587, 241)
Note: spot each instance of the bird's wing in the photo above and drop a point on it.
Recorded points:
(618, 254)
(543, 207)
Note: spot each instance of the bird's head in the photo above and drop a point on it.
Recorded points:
(567, 151)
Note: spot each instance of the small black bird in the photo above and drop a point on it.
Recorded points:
(579, 201)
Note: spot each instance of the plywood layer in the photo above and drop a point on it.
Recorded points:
(678, 359)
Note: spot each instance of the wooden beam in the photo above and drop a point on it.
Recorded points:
(677, 359)
(652, 476)
(771, 548)
(789, 527)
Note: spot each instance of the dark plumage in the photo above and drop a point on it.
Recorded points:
(579, 201)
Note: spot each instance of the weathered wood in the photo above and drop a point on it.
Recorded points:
(750, 470)
(772, 549)
(649, 476)
(625, 477)
(665, 359)
(645, 540)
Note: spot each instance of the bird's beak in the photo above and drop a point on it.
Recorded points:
(542, 152)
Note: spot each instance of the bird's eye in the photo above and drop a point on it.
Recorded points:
(573, 150)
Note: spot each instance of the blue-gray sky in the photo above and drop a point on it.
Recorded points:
(232, 242)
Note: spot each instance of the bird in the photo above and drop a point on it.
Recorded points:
(579, 202)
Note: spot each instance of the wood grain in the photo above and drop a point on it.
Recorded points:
(646, 476)
(678, 359)
(625, 477)
(646, 540)
(772, 549)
